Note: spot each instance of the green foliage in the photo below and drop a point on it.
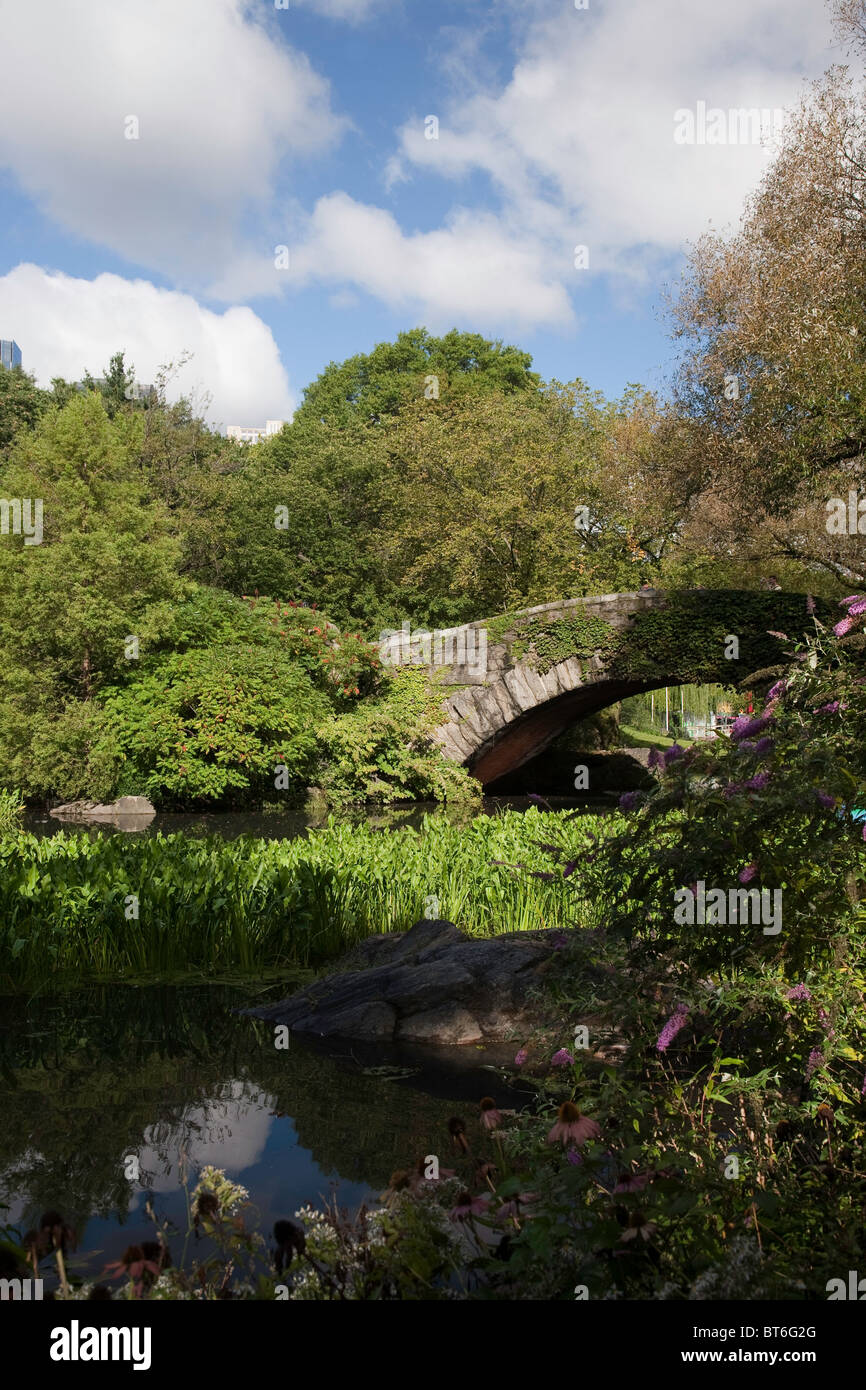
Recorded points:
(217, 723)
(11, 807)
(380, 750)
(215, 906)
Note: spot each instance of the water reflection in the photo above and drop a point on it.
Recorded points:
(291, 822)
(174, 1079)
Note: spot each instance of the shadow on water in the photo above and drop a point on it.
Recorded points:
(292, 822)
(172, 1078)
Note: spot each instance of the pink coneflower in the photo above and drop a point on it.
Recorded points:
(746, 875)
(562, 1058)
(520, 1057)
(571, 1127)
(676, 1021)
(135, 1265)
(491, 1118)
(799, 992)
(633, 1182)
(467, 1206)
(638, 1225)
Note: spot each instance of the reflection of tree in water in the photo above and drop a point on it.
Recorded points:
(89, 1078)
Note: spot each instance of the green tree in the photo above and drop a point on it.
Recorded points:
(373, 385)
(105, 571)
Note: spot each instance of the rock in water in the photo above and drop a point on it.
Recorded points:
(431, 984)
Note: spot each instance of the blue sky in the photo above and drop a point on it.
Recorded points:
(256, 127)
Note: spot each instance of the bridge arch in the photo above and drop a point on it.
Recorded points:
(547, 667)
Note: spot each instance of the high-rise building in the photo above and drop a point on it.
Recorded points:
(10, 353)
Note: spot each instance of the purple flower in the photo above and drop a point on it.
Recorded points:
(810, 604)
(829, 708)
(777, 689)
(562, 1058)
(799, 992)
(852, 598)
(627, 801)
(863, 1087)
(654, 758)
(857, 608)
(826, 800)
(758, 783)
(744, 726)
(816, 1060)
(574, 1157)
(746, 875)
(676, 1021)
(845, 626)
(764, 745)
(520, 1057)
(671, 754)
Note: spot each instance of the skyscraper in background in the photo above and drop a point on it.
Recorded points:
(10, 353)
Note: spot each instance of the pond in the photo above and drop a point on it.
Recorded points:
(109, 1094)
(291, 823)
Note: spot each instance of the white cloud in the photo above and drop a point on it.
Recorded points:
(220, 102)
(65, 326)
(470, 271)
(352, 10)
(579, 141)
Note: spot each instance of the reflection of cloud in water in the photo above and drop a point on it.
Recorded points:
(229, 1131)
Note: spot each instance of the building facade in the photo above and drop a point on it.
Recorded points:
(254, 434)
(10, 353)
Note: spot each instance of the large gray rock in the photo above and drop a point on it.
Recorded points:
(126, 808)
(432, 984)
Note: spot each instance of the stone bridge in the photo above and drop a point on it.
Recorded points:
(525, 677)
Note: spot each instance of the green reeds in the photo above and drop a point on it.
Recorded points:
(76, 907)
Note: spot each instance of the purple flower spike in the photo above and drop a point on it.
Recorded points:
(677, 1020)
(830, 708)
(799, 992)
(744, 726)
(845, 626)
(573, 1156)
(828, 802)
(810, 604)
(816, 1060)
(654, 758)
(562, 1058)
(852, 598)
(747, 874)
(672, 754)
(520, 1057)
(758, 783)
(777, 690)
(627, 801)
(857, 608)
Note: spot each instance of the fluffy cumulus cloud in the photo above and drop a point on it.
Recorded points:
(471, 269)
(579, 141)
(66, 326)
(216, 103)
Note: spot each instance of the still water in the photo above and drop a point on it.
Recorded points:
(289, 824)
(173, 1078)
